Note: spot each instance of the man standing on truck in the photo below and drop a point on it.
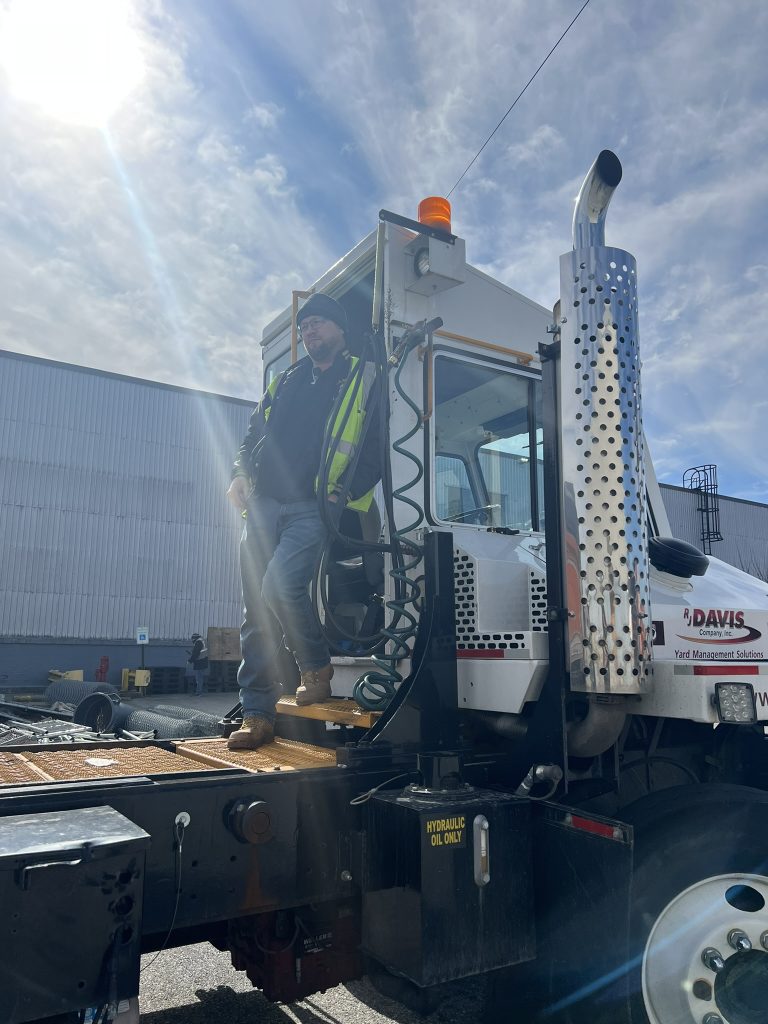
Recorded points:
(275, 480)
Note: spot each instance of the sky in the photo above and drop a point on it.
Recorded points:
(171, 169)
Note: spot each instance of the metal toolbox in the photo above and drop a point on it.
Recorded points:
(71, 891)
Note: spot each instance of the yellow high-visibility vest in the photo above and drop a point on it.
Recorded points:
(342, 442)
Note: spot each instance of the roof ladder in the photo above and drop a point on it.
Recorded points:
(703, 480)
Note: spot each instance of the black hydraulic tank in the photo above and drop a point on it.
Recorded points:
(448, 885)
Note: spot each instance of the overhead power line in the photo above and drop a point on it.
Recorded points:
(519, 95)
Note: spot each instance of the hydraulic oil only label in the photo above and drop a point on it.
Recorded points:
(446, 832)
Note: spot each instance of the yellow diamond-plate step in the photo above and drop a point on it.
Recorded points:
(338, 710)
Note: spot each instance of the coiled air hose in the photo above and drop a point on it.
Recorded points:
(375, 688)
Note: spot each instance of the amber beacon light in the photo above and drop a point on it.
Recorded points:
(435, 212)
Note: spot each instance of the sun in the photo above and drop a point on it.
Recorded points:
(75, 59)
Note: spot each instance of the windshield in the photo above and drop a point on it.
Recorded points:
(488, 446)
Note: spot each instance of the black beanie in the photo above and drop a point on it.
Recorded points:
(324, 306)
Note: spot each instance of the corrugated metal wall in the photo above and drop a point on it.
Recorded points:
(112, 506)
(113, 515)
(743, 525)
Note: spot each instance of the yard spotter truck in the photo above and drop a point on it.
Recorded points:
(554, 772)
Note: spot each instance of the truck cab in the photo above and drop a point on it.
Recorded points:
(476, 448)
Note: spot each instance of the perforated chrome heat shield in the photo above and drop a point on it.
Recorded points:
(604, 530)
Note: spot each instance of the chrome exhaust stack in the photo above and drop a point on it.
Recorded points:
(604, 533)
(592, 204)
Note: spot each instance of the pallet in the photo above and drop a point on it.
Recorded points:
(222, 676)
(337, 710)
(223, 643)
(167, 679)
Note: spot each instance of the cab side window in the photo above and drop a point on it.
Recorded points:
(487, 445)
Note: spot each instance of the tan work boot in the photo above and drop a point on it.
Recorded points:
(253, 733)
(315, 686)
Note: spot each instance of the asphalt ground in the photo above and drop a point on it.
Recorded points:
(198, 985)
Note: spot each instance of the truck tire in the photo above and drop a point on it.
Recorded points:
(700, 873)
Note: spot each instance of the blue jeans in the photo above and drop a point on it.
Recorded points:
(201, 677)
(278, 552)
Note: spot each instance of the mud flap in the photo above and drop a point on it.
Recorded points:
(582, 884)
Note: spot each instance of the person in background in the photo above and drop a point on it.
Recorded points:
(198, 660)
(275, 482)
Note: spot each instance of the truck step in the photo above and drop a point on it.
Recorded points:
(338, 710)
(280, 755)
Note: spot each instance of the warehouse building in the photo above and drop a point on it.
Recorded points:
(113, 519)
(731, 529)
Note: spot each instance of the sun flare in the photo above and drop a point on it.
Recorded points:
(75, 59)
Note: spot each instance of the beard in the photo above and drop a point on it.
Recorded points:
(321, 350)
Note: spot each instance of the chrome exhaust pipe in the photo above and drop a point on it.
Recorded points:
(592, 204)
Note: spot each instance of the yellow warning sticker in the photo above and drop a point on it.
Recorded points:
(447, 831)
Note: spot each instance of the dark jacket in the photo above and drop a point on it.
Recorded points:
(198, 656)
(280, 454)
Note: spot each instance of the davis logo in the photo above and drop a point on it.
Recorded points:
(718, 626)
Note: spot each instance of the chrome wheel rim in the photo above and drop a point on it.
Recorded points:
(707, 953)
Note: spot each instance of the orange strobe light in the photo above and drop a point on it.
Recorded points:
(435, 212)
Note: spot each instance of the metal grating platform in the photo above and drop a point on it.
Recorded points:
(280, 755)
(107, 762)
(15, 769)
(338, 710)
(71, 765)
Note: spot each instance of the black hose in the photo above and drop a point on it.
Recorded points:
(638, 761)
(376, 687)
(331, 512)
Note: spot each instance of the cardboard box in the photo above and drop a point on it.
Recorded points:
(134, 677)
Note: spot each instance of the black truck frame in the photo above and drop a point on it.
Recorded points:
(412, 854)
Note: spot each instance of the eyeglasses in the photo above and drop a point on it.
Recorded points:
(311, 322)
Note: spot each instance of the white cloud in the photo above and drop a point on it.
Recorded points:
(265, 115)
(161, 255)
(543, 145)
(171, 268)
